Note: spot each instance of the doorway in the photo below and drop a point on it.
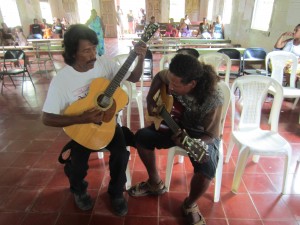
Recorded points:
(134, 6)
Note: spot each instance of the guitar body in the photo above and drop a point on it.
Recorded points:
(91, 135)
(162, 99)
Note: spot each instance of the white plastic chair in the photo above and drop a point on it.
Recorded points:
(279, 60)
(246, 132)
(132, 91)
(217, 59)
(181, 152)
(165, 61)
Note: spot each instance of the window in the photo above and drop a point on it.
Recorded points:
(10, 13)
(262, 14)
(84, 10)
(210, 10)
(46, 11)
(227, 10)
(177, 9)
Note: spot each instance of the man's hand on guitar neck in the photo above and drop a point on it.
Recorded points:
(92, 116)
(140, 49)
(178, 137)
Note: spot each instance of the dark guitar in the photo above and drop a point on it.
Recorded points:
(196, 148)
(107, 96)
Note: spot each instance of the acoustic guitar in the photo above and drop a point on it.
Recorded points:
(107, 96)
(196, 148)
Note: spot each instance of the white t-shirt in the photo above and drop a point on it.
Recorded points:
(290, 47)
(70, 85)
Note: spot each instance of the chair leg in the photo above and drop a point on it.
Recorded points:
(229, 149)
(128, 111)
(128, 177)
(170, 161)
(218, 177)
(239, 169)
(100, 155)
(139, 101)
(255, 158)
(11, 81)
(180, 159)
(285, 173)
(30, 79)
(295, 103)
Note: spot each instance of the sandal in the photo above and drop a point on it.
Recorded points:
(145, 188)
(188, 211)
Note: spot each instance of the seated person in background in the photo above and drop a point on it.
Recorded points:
(65, 23)
(184, 29)
(194, 85)
(171, 30)
(218, 29)
(3, 42)
(8, 34)
(290, 42)
(47, 32)
(187, 20)
(21, 39)
(58, 29)
(204, 29)
(35, 30)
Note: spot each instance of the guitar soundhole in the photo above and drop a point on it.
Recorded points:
(103, 101)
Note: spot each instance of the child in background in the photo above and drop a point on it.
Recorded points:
(47, 32)
(21, 39)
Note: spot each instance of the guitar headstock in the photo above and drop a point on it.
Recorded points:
(149, 31)
(196, 148)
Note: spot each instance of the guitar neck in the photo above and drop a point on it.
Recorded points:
(169, 120)
(115, 83)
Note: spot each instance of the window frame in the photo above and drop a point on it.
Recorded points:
(260, 9)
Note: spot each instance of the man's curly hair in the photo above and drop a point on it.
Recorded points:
(188, 68)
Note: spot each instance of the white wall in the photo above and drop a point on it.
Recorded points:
(285, 17)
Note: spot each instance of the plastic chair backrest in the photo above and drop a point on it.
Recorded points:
(217, 59)
(253, 91)
(231, 53)
(226, 94)
(131, 88)
(254, 53)
(279, 60)
(165, 61)
(15, 55)
(188, 51)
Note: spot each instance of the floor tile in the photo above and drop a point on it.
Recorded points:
(271, 206)
(34, 189)
(239, 206)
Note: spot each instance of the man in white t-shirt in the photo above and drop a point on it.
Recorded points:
(71, 84)
(290, 42)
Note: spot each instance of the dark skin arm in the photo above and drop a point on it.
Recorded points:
(89, 116)
(140, 49)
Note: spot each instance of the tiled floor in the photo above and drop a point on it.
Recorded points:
(34, 190)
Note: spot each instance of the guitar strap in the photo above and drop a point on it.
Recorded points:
(65, 154)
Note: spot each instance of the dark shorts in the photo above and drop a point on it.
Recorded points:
(150, 138)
